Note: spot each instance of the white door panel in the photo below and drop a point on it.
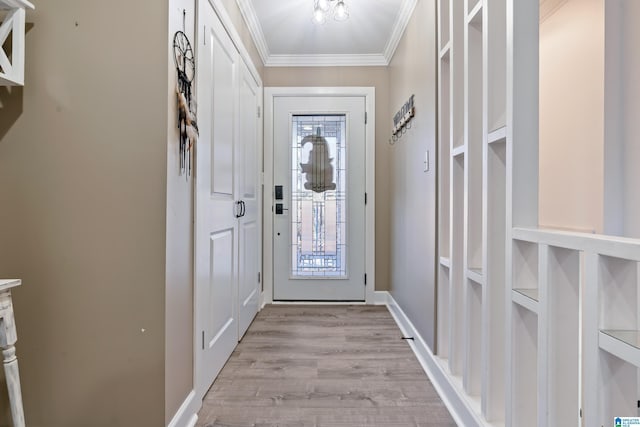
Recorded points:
(249, 190)
(224, 88)
(221, 287)
(216, 332)
(319, 160)
(248, 290)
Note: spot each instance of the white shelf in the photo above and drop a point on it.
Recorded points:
(445, 262)
(622, 344)
(475, 274)
(9, 283)
(458, 151)
(445, 51)
(15, 4)
(613, 246)
(527, 298)
(498, 135)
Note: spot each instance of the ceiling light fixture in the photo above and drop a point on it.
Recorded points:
(324, 8)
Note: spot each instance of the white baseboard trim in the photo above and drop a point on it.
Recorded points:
(187, 414)
(263, 300)
(459, 405)
(381, 298)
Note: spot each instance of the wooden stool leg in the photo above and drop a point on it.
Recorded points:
(13, 385)
(8, 338)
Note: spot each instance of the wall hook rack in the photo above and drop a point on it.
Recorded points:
(402, 120)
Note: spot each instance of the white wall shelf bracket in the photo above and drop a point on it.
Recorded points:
(13, 25)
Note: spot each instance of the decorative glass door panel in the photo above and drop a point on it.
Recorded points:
(318, 197)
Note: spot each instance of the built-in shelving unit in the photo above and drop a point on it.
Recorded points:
(612, 331)
(592, 358)
(478, 308)
(536, 327)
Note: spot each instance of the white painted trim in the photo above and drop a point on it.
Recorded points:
(263, 299)
(227, 23)
(363, 60)
(329, 303)
(356, 60)
(452, 394)
(255, 29)
(524, 301)
(614, 246)
(187, 414)
(406, 10)
(381, 298)
(370, 143)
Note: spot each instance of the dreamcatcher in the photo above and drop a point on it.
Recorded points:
(186, 68)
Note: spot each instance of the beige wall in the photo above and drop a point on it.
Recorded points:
(572, 117)
(377, 77)
(413, 191)
(83, 194)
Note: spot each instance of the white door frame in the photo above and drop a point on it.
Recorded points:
(268, 195)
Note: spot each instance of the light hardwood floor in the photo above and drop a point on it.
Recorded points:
(323, 366)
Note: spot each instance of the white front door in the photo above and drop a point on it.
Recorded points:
(227, 223)
(319, 204)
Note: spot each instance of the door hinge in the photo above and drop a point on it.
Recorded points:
(365, 279)
(258, 111)
(365, 198)
(366, 118)
(258, 277)
(204, 35)
(203, 340)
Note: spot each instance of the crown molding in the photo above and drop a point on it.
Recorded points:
(358, 60)
(255, 29)
(326, 61)
(406, 10)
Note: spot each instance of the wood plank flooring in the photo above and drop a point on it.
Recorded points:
(302, 365)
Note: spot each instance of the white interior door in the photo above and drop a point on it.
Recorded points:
(249, 165)
(319, 206)
(216, 225)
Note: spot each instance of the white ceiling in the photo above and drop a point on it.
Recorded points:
(286, 36)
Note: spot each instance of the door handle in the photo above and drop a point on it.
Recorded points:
(241, 209)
